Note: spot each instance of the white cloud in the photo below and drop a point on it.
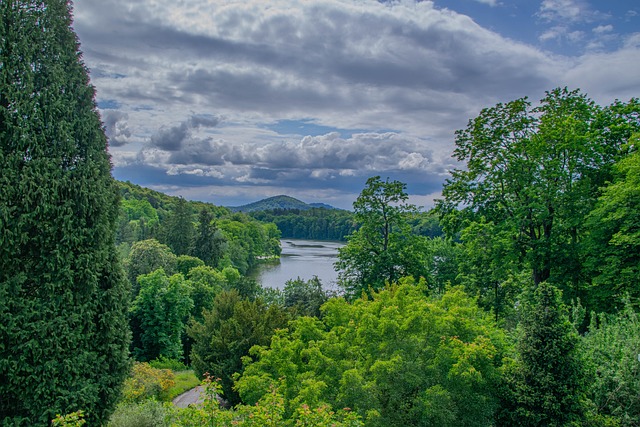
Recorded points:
(565, 10)
(602, 29)
(491, 3)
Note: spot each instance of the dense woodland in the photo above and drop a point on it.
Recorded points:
(513, 303)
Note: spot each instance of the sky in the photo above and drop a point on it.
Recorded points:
(231, 101)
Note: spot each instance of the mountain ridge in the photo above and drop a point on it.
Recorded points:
(278, 202)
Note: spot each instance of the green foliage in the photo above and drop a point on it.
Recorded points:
(226, 334)
(313, 224)
(179, 228)
(148, 256)
(210, 244)
(612, 350)
(612, 249)
(305, 297)
(158, 315)
(269, 411)
(383, 248)
(63, 295)
(184, 264)
(138, 220)
(545, 386)
(533, 173)
(166, 363)
(489, 267)
(74, 419)
(146, 382)
(397, 359)
(149, 413)
(248, 241)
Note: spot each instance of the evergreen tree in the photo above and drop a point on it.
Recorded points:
(545, 385)
(63, 295)
(179, 231)
(209, 243)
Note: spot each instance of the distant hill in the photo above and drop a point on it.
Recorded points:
(279, 202)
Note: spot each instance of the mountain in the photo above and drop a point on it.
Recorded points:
(279, 202)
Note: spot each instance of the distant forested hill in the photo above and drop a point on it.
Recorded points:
(279, 202)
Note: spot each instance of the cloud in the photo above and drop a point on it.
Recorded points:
(601, 29)
(173, 138)
(491, 3)
(116, 127)
(565, 10)
(405, 74)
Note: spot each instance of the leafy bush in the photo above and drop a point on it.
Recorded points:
(166, 363)
(147, 382)
(74, 419)
(611, 347)
(147, 414)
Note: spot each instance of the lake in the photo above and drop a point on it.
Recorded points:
(301, 258)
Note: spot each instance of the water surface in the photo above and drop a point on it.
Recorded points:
(301, 258)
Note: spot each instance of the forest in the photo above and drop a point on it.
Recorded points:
(514, 302)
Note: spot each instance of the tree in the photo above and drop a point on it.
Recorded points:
(611, 348)
(184, 264)
(546, 384)
(147, 256)
(210, 243)
(383, 248)
(63, 294)
(226, 334)
(398, 358)
(612, 249)
(179, 228)
(159, 314)
(306, 297)
(534, 172)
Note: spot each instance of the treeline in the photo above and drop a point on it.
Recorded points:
(312, 224)
(334, 224)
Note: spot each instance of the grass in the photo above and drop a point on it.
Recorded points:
(185, 380)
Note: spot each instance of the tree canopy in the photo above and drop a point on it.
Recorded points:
(400, 358)
(533, 173)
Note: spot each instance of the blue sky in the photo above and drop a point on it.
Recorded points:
(233, 101)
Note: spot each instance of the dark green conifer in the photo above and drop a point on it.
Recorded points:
(63, 295)
(209, 242)
(179, 228)
(545, 386)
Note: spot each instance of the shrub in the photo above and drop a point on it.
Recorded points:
(147, 414)
(147, 382)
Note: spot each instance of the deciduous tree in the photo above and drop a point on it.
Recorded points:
(159, 314)
(534, 173)
(383, 248)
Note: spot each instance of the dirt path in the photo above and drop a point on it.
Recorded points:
(195, 396)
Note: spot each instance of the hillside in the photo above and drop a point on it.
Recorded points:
(279, 202)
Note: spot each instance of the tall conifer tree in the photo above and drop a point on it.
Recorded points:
(546, 385)
(63, 295)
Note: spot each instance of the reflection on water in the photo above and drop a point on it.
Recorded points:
(301, 258)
